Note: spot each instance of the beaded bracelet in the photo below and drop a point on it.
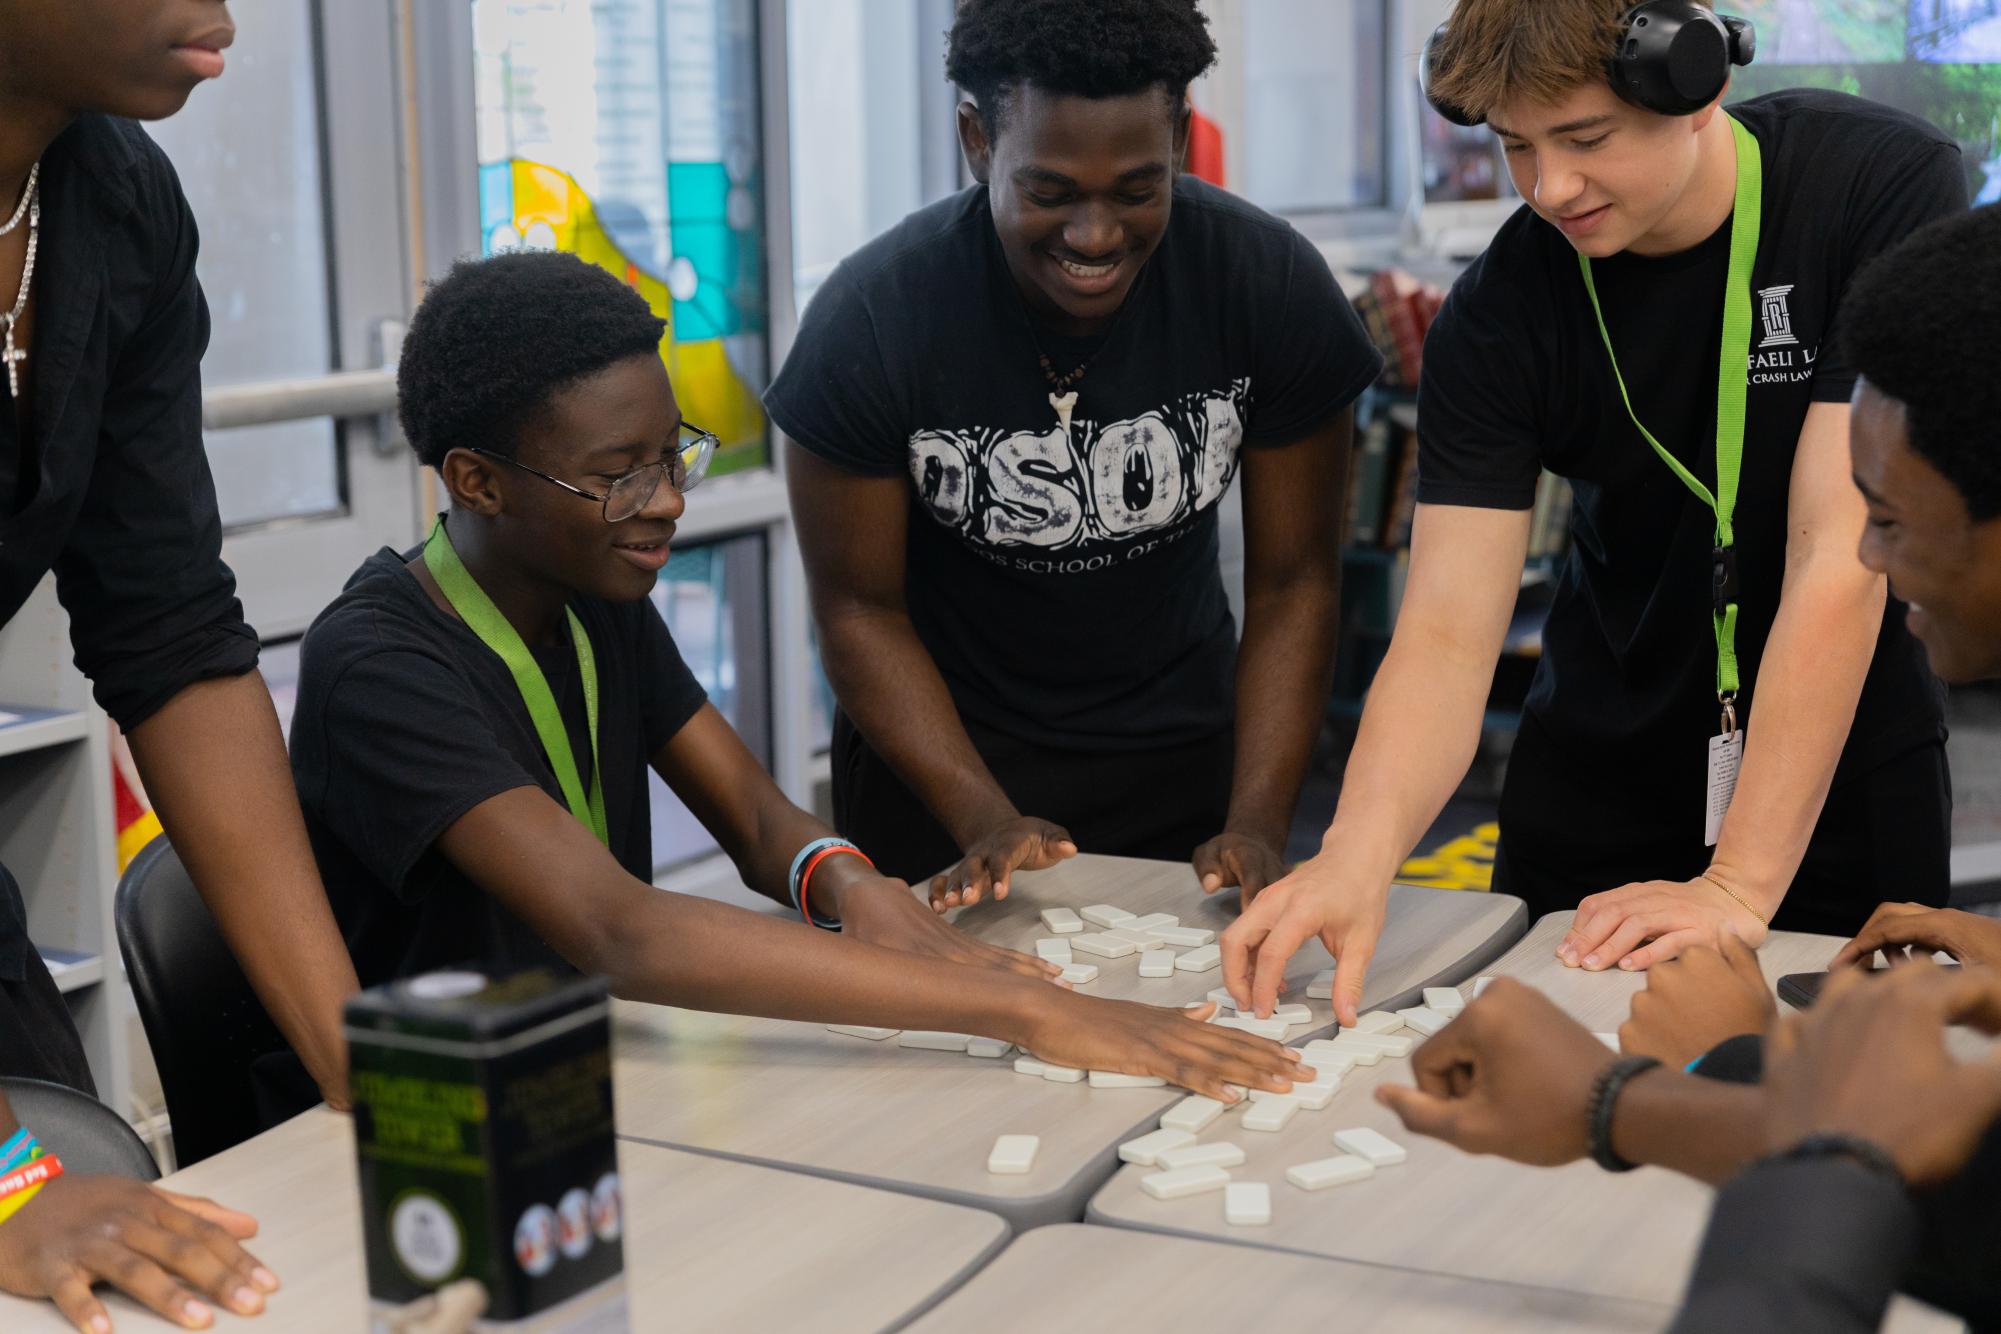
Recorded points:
(1605, 1093)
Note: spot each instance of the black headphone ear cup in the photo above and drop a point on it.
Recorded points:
(1743, 39)
(1673, 57)
(1456, 114)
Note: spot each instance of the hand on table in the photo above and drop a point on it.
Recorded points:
(1022, 844)
(1696, 1001)
(1316, 899)
(166, 1251)
(1238, 859)
(1512, 1075)
(1869, 1060)
(1615, 927)
(1089, 1033)
(1898, 928)
(882, 911)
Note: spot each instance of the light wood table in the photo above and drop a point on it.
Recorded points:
(794, 1095)
(1576, 1228)
(1092, 1278)
(709, 1244)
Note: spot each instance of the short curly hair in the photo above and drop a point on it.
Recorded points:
(495, 338)
(1921, 323)
(1102, 48)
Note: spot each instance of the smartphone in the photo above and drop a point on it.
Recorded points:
(1801, 990)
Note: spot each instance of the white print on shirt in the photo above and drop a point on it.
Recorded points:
(1785, 366)
(1091, 494)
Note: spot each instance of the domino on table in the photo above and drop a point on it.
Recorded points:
(1293, 1015)
(1246, 1203)
(991, 1049)
(1445, 1000)
(1424, 1020)
(1376, 1021)
(1013, 1155)
(1321, 1053)
(1348, 1052)
(1028, 1065)
(934, 1041)
(1321, 1173)
(1109, 1079)
(1187, 936)
(1379, 1149)
(1062, 921)
(1270, 1113)
(1263, 1028)
(1139, 940)
(1062, 1074)
(1193, 1114)
(1187, 1181)
(1053, 949)
(1157, 963)
(864, 1031)
(1077, 974)
(1103, 946)
(1201, 960)
(1104, 914)
(1220, 1154)
(1389, 1044)
(1480, 984)
(1151, 922)
(1146, 1149)
(1322, 985)
(1223, 999)
(1314, 1097)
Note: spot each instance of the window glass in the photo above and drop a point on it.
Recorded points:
(1314, 124)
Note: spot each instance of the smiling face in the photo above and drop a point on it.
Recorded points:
(134, 58)
(1607, 174)
(1080, 189)
(1938, 558)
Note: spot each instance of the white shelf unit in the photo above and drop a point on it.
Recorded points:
(57, 829)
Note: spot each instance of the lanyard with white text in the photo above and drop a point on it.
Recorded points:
(1733, 369)
(476, 609)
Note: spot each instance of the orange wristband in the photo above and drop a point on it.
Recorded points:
(806, 876)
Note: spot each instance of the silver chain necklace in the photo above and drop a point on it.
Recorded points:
(11, 354)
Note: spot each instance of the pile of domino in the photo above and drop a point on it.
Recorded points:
(1153, 938)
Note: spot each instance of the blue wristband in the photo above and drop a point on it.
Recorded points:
(799, 863)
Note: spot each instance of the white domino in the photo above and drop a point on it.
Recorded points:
(1185, 936)
(1263, 1028)
(1424, 1020)
(1445, 1000)
(1103, 945)
(1193, 1114)
(1247, 1204)
(864, 1031)
(1139, 940)
(1223, 999)
(990, 1049)
(1220, 1154)
(1379, 1149)
(1314, 1097)
(1388, 1044)
(1354, 1055)
(1157, 963)
(1028, 1065)
(1013, 1155)
(1376, 1021)
(1322, 985)
(1200, 960)
(1062, 1074)
(1053, 949)
(1109, 1079)
(934, 1041)
(1294, 1015)
(1104, 914)
(1146, 1150)
(1270, 1113)
(1062, 921)
(1187, 1181)
(1480, 984)
(1078, 974)
(1152, 922)
(1609, 1039)
(1321, 1173)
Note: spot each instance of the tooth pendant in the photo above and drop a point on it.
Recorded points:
(1064, 404)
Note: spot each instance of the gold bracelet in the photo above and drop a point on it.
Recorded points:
(1762, 919)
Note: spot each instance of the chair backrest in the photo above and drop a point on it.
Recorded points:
(80, 1130)
(204, 1022)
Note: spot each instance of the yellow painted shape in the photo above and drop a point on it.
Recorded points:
(1466, 862)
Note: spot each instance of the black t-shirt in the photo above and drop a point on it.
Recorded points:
(1068, 589)
(406, 721)
(1517, 380)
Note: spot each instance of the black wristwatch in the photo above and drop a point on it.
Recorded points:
(1611, 1082)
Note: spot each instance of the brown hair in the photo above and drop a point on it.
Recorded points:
(1495, 51)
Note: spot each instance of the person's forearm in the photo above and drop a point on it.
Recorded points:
(1285, 667)
(779, 831)
(888, 684)
(1702, 1128)
(214, 763)
(1822, 641)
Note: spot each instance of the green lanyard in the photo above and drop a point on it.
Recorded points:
(476, 609)
(1733, 369)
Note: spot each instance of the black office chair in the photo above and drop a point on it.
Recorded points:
(80, 1130)
(205, 1024)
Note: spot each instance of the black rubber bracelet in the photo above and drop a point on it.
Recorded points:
(1612, 1081)
(1830, 1145)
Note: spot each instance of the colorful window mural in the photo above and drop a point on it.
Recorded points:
(626, 132)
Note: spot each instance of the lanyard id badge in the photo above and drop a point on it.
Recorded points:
(476, 609)
(1732, 386)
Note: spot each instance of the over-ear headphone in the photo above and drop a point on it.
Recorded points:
(1673, 57)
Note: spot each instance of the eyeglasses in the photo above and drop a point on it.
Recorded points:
(683, 470)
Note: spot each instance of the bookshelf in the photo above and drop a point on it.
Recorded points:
(57, 833)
